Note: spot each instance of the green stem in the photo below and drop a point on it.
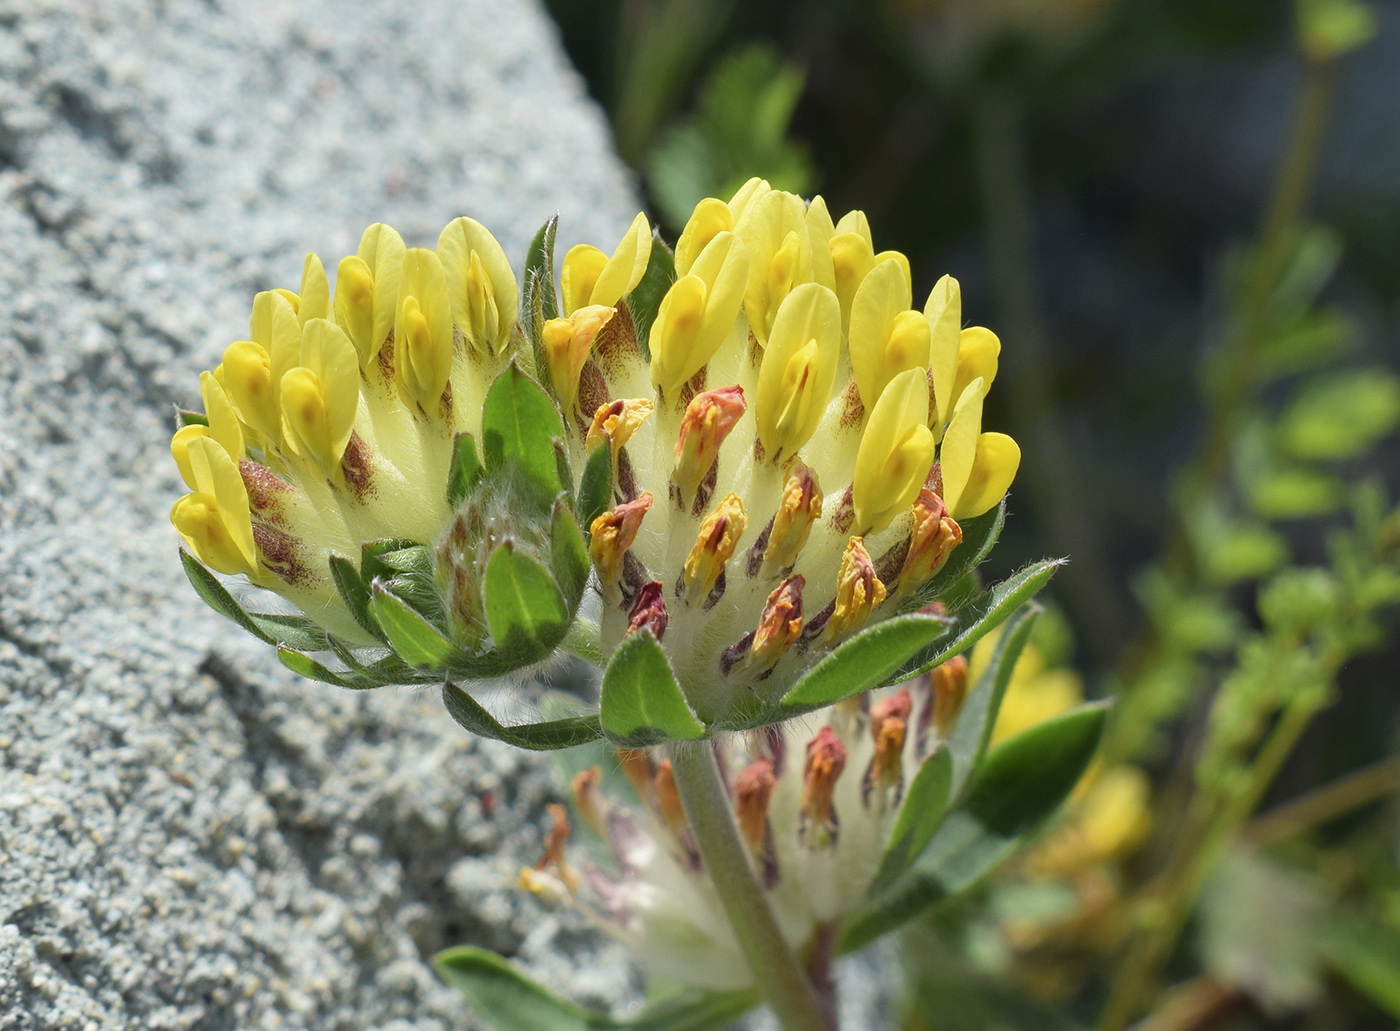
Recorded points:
(1324, 804)
(780, 977)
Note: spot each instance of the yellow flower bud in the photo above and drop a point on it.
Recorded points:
(382, 251)
(320, 398)
(215, 520)
(480, 285)
(698, 313)
(859, 591)
(274, 327)
(779, 625)
(314, 300)
(566, 346)
(978, 350)
(943, 309)
(774, 228)
(710, 218)
(423, 329)
(707, 422)
(799, 509)
(799, 369)
(616, 421)
(714, 547)
(886, 338)
(179, 449)
(746, 195)
(590, 277)
(612, 533)
(223, 419)
(900, 259)
(854, 221)
(820, 231)
(896, 453)
(354, 306)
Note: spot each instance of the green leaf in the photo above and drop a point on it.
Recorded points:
(641, 702)
(645, 299)
(973, 731)
(595, 489)
(524, 609)
(925, 802)
(568, 555)
(979, 617)
(1367, 954)
(313, 670)
(355, 593)
(415, 640)
(1341, 416)
(519, 425)
(865, 661)
(407, 569)
(296, 631)
(538, 737)
(1297, 493)
(509, 1001)
(979, 535)
(539, 262)
(466, 471)
(1023, 781)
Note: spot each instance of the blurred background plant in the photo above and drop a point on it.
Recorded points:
(1185, 217)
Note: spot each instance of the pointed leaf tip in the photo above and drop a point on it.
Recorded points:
(642, 703)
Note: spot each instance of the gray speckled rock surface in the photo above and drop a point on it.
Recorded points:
(191, 837)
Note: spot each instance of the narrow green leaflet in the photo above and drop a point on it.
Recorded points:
(925, 802)
(645, 299)
(1367, 954)
(416, 640)
(1022, 782)
(308, 667)
(519, 425)
(538, 737)
(970, 737)
(980, 617)
(641, 702)
(355, 593)
(865, 661)
(595, 489)
(509, 1001)
(568, 555)
(466, 471)
(295, 631)
(524, 609)
(539, 261)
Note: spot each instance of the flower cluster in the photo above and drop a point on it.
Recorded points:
(815, 810)
(752, 449)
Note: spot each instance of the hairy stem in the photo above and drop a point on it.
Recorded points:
(779, 975)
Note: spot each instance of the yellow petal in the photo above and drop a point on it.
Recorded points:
(993, 468)
(382, 251)
(223, 420)
(820, 231)
(314, 301)
(900, 259)
(480, 284)
(799, 369)
(627, 265)
(583, 264)
(856, 222)
(248, 377)
(328, 353)
(275, 327)
(896, 453)
(698, 312)
(746, 195)
(710, 218)
(978, 350)
(567, 343)
(944, 312)
(354, 306)
(959, 447)
(886, 338)
(851, 260)
(221, 524)
(714, 547)
(774, 229)
(179, 449)
(423, 329)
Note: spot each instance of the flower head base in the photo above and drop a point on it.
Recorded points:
(784, 461)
